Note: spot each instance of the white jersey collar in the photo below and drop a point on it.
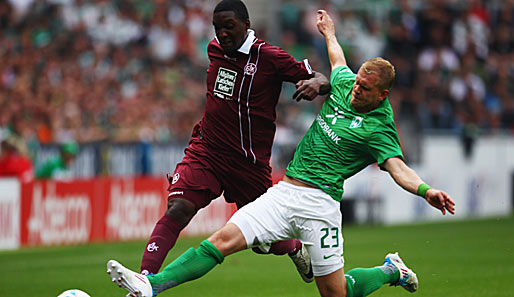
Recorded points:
(247, 45)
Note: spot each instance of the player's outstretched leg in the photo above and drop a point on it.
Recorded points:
(302, 260)
(408, 279)
(137, 284)
(191, 265)
(361, 282)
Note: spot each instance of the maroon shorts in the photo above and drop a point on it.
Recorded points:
(203, 175)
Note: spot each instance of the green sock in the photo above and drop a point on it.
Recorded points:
(189, 266)
(361, 282)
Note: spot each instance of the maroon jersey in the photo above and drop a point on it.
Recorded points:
(242, 94)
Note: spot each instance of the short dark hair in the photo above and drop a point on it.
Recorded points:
(237, 6)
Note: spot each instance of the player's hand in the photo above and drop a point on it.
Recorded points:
(440, 200)
(324, 23)
(307, 89)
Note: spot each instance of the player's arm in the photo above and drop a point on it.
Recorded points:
(327, 28)
(309, 89)
(409, 180)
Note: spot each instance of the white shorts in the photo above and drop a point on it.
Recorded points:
(287, 211)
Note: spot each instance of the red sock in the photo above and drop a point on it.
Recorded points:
(163, 238)
(291, 246)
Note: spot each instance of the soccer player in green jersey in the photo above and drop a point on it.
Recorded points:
(354, 128)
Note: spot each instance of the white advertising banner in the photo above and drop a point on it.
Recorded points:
(481, 185)
(9, 213)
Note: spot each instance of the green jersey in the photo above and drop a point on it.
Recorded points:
(342, 142)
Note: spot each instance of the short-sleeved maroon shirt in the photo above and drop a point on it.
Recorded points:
(230, 148)
(242, 94)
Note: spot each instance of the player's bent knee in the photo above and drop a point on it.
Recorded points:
(228, 240)
(181, 210)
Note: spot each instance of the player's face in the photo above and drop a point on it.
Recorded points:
(230, 30)
(366, 95)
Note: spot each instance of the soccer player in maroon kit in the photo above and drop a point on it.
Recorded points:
(230, 147)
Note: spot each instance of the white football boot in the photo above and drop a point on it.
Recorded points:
(137, 284)
(302, 260)
(408, 279)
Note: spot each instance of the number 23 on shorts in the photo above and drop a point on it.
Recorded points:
(330, 237)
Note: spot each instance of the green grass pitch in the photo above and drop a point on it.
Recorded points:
(473, 258)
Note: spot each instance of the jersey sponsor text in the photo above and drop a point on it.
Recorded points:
(225, 81)
(324, 126)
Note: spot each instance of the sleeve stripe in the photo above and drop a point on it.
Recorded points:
(307, 65)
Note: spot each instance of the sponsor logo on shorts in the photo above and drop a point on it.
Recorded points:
(152, 247)
(225, 81)
(176, 176)
(328, 257)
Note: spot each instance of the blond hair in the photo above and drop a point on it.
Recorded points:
(383, 69)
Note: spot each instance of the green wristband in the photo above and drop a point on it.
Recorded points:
(422, 190)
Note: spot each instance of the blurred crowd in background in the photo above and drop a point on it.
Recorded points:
(133, 70)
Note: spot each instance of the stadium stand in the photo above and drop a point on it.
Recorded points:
(133, 71)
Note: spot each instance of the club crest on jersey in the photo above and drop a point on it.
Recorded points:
(250, 69)
(356, 123)
(152, 247)
(225, 81)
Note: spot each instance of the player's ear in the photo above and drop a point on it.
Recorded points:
(384, 94)
(247, 24)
